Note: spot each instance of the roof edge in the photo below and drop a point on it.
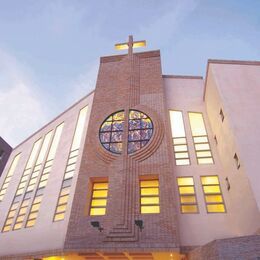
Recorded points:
(55, 118)
(238, 62)
(182, 77)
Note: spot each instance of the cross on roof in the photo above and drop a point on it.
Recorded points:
(130, 45)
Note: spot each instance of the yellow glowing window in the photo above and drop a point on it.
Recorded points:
(59, 216)
(43, 150)
(149, 199)
(212, 193)
(9, 175)
(62, 204)
(99, 199)
(79, 128)
(34, 211)
(200, 139)
(179, 138)
(187, 195)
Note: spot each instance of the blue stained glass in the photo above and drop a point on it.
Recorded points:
(116, 147)
(106, 146)
(146, 134)
(143, 143)
(133, 146)
(116, 136)
(105, 137)
(134, 124)
(118, 126)
(146, 123)
(134, 135)
(106, 127)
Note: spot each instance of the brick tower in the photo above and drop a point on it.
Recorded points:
(126, 84)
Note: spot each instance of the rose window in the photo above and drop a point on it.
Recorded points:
(140, 130)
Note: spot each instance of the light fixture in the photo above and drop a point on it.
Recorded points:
(96, 224)
(139, 223)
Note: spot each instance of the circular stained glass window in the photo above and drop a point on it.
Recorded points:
(140, 130)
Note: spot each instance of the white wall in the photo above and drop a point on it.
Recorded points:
(46, 234)
(186, 94)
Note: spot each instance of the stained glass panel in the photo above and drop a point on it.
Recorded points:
(111, 132)
(140, 128)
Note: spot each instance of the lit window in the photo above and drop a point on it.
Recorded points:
(10, 217)
(200, 139)
(99, 199)
(179, 138)
(187, 195)
(34, 211)
(212, 193)
(9, 176)
(70, 167)
(21, 214)
(149, 199)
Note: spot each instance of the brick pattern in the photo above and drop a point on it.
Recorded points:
(126, 82)
(239, 248)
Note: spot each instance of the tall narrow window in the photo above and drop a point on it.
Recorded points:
(31, 220)
(149, 199)
(179, 138)
(200, 139)
(9, 176)
(212, 193)
(99, 199)
(71, 165)
(237, 161)
(187, 195)
(10, 216)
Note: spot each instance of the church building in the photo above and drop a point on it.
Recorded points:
(147, 166)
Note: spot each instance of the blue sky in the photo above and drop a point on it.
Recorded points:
(50, 49)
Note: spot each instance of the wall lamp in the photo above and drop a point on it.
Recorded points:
(139, 223)
(97, 225)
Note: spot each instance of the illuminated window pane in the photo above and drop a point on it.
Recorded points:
(150, 191)
(214, 202)
(100, 194)
(33, 154)
(61, 208)
(213, 198)
(79, 128)
(197, 124)
(149, 199)
(179, 138)
(150, 209)
(177, 124)
(97, 211)
(18, 226)
(189, 208)
(188, 199)
(6, 228)
(59, 216)
(100, 186)
(200, 139)
(99, 198)
(182, 161)
(208, 180)
(187, 195)
(211, 189)
(186, 190)
(215, 208)
(9, 175)
(185, 181)
(99, 202)
(33, 215)
(30, 223)
(63, 199)
(55, 143)
(44, 148)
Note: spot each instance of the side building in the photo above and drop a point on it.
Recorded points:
(5, 151)
(148, 166)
